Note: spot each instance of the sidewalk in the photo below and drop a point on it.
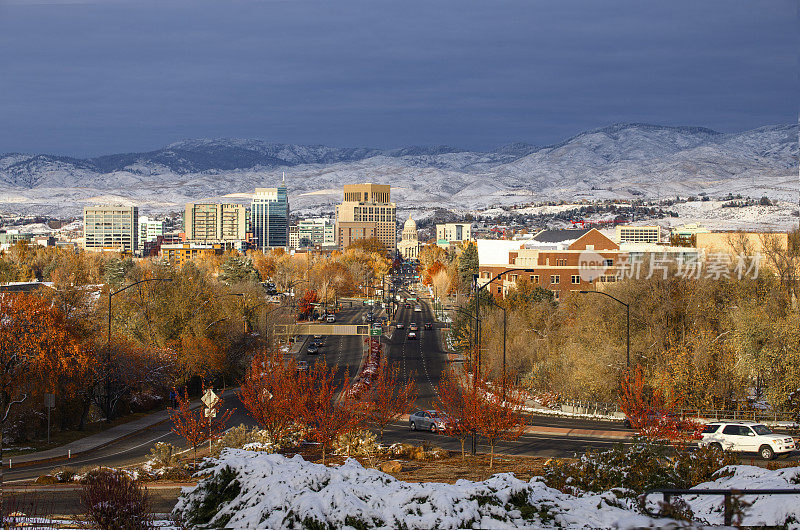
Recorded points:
(97, 441)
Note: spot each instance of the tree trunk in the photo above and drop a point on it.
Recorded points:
(491, 455)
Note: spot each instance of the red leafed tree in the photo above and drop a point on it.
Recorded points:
(387, 399)
(653, 413)
(326, 414)
(273, 394)
(193, 425)
(498, 419)
(305, 306)
(435, 268)
(455, 402)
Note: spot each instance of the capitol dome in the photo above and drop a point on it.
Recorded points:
(410, 224)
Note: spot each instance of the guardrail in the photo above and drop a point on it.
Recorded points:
(739, 415)
(728, 496)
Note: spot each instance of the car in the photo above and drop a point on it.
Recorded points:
(319, 343)
(330, 319)
(413, 326)
(428, 325)
(428, 420)
(408, 305)
(302, 366)
(312, 349)
(400, 325)
(412, 334)
(417, 309)
(746, 437)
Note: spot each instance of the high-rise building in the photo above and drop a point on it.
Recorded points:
(270, 218)
(149, 230)
(111, 228)
(367, 209)
(215, 222)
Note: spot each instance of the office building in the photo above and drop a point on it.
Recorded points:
(638, 234)
(149, 230)
(448, 234)
(316, 232)
(112, 228)
(367, 209)
(270, 218)
(215, 222)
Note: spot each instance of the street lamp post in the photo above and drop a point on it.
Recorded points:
(476, 369)
(504, 346)
(627, 321)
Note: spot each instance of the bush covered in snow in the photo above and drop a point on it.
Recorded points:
(633, 469)
(246, 489)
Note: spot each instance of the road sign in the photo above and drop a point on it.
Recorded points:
(50, 401)
(210, 413)
(376, 332)
(210, 399)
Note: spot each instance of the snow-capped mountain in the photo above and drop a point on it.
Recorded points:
(622, 160)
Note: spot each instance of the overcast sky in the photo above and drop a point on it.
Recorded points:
(97, 77)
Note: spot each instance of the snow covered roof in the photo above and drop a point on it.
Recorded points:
(495, 251)
(559, 236)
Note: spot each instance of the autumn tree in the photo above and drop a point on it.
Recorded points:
(272, 393)
(325, 412)
(193, 424)
(387, 398)
(371, 245)
(305, 306)
(455, 402)
(497, 419)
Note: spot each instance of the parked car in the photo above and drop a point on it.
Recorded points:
(428, 420)
(428, 325)
(330, 319)
(400, 325)
(312, 349)
(412, 334)
(746, 437)
(417, 309)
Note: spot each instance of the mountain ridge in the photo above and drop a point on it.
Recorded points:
(621, 160)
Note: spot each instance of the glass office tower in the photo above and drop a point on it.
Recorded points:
(270, 218)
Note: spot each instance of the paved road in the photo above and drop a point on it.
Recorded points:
(421, 358)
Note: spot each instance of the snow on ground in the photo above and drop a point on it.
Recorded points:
(279, 492)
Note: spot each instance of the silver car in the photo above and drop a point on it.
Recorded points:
(427, 420)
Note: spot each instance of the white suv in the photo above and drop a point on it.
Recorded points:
(746, 437)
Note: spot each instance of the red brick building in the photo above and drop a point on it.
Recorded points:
(558, 260)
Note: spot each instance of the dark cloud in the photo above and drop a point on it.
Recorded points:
(98, 77)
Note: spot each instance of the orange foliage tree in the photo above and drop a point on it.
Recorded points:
(454, 400)
(327, 413)
(387, 399)
(273, 393)
(652, 412)
(193, 425)
(305, 306)
(435, 268)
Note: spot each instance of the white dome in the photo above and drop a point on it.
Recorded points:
(410, 224)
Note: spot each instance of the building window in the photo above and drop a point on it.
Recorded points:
(576, 279)
(535, 278)
(556, 295)
(555, 279)
(514, 278)
(609, 263)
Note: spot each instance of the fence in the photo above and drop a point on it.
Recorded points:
(727, 494)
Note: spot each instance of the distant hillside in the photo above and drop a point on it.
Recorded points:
(621, 160)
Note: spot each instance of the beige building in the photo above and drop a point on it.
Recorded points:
(448, 234)
(180, 253)
(638, 234)
(111, 228)
(409, 241)
(367, 209)
(215, 222)
(746, 243)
